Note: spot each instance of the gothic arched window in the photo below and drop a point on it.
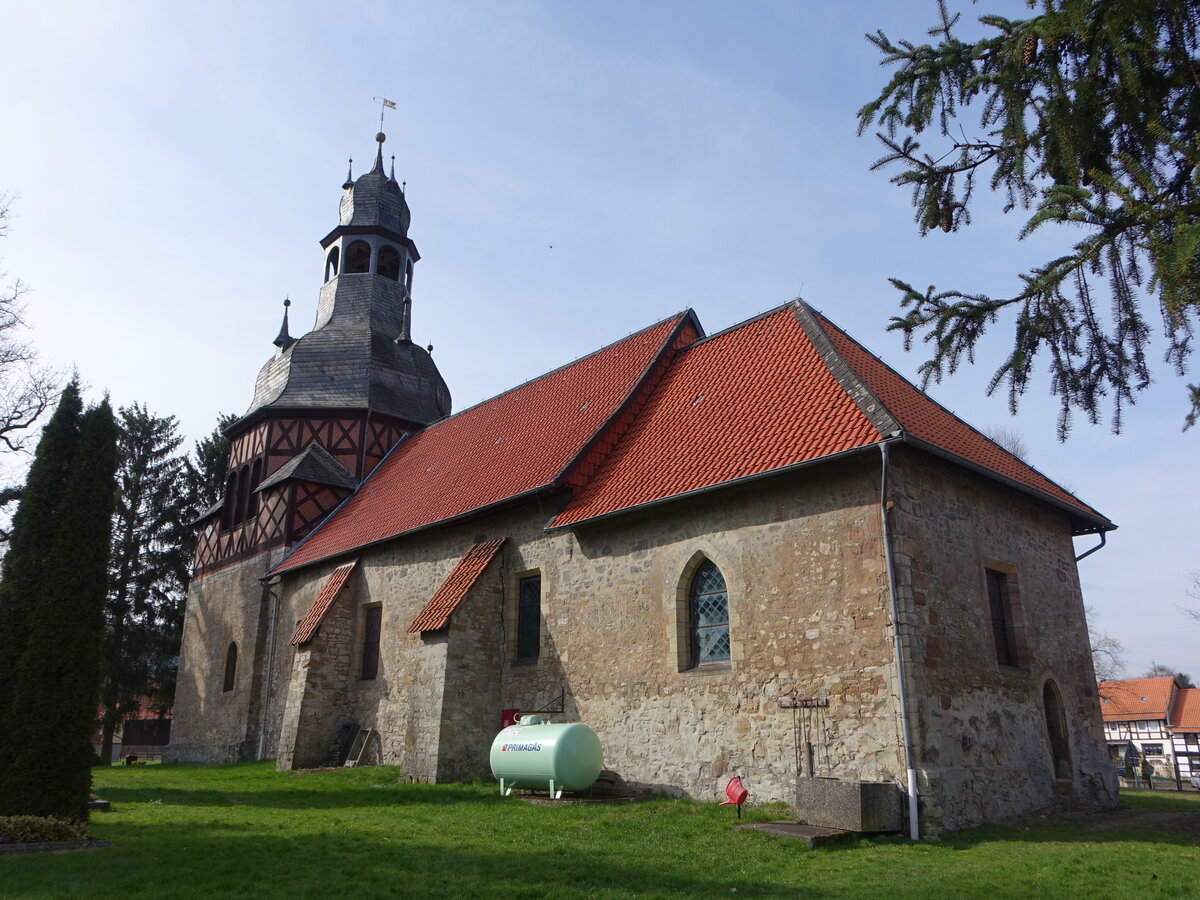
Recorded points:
(388, 263)
(229, 507)
(1056, 729)
(708, 615)
(230, 668)
(331, 264)
(255, 478)
(358, 258)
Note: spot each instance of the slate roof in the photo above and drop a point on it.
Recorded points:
(313, 464)
(1135, 698)
(784, 389)
(307, 627)
(521, 441)
(437, 611)
(1186, 714)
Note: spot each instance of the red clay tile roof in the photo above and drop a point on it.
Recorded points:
(1186, 714)
(745, 401)
(783, 389)
(515, 443)
(436, 613)
(923, 418)
(1122, 701)
(311, 622)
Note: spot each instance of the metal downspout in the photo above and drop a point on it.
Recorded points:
(914, 830)
(266, 699)
(1103, 541)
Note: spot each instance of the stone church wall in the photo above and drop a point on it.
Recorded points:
(980, 728)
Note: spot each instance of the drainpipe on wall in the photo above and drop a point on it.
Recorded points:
(270, 585)
(914, 830)
(1103, 541)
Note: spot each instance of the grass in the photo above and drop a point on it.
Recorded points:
(191, 830)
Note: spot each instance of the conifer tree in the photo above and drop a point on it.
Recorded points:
(1088, 113)
(54, 679)
(148, 570)
(27, 566)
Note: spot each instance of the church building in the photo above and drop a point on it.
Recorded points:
(758, 552)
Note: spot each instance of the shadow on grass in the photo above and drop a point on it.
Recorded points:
(187, 862)
(317, 798)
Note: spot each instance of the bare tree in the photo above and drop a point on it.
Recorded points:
(1108, 653)
(1194, 593)
(1010, 439)
(26, 387)
(1158, 670)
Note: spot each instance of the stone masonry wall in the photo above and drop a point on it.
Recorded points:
(983, 749)
(804, 567)
(210, 724)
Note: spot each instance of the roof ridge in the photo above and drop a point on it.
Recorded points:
(855, 386)
(679, 315)
(642, 387)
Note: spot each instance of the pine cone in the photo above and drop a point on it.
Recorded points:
(1029, 49)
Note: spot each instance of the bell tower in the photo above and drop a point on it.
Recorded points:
(329, 405)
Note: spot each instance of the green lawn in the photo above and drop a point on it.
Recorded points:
(245, 830)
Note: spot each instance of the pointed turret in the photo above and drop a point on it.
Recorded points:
(284, 340)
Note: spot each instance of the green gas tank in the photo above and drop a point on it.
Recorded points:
(541, 755)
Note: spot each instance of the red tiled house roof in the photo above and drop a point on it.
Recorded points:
(1135, 698)
(521, 441)
(664, 414)
(1186, 714)
(437, 611)
(785, 389)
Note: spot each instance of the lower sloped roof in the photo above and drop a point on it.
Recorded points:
(307, 627)
(438, 610)
(1185, 716)
(1135, 698)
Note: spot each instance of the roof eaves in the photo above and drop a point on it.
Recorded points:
(449, 520)
(1099, 523)
(732, 482)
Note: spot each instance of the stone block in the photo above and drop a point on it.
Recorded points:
(849, 805)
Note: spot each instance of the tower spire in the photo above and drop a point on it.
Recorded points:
(378, 167)
(284, 340)
(349, 174)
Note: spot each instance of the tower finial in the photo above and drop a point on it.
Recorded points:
(349, 174)
(284, 340)
(378, 167)
(384, 104)
(392, 176)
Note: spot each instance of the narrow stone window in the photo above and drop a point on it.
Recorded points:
(1056, 729)
(358, 258)
(388, 263)
(230, 668)
(999, 592)
(708, 615)
(331, 264)
(372, 623)
(529, 618)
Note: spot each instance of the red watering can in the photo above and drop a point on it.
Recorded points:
(736, 793)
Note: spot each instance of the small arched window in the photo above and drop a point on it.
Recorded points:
(708, 609)
(230, 668)
(331, 264)
(358, 258)
(387, 263)
(408, 276)
(1056, 730)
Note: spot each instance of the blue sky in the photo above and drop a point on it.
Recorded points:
(575, 170)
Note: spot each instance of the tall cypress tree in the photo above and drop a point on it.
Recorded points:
(28, 564)
(54, 680)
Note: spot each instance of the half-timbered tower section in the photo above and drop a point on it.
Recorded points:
(327, 407)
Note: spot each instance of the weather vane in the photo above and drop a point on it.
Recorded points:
(384, 105)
